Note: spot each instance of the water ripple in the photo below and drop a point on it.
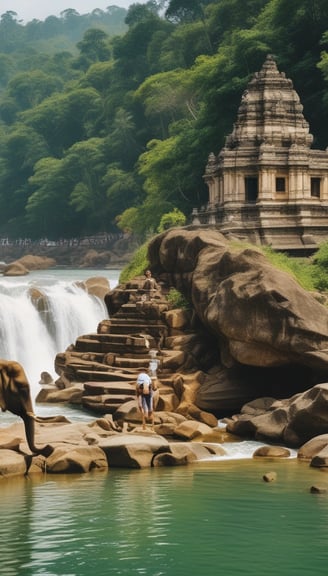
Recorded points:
(166, 522)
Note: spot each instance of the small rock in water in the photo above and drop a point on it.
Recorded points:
(318, 490)
(270, 477)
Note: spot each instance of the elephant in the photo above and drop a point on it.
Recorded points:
(15, 396)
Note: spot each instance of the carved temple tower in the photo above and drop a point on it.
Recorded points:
(267, 185)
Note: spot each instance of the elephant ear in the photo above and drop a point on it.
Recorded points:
(3, 386)
(10, 385)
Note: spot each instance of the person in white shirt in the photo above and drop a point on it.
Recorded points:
(145, 398)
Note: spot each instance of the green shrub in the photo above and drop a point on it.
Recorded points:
(177, 300)
(172, 220)
(139, 263)
(320, 258)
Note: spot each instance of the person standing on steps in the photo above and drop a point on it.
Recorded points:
(145, 398)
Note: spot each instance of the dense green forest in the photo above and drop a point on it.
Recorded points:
(107, 119)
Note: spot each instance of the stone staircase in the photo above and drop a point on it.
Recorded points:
(107, 362)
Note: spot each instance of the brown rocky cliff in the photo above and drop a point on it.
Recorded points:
(271, 335)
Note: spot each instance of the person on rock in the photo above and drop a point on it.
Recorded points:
(150, 284)
(145, 398)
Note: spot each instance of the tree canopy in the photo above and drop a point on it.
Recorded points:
(107, 119)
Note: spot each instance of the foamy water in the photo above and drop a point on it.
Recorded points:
(32, 337)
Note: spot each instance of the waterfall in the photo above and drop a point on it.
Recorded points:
(32, 333)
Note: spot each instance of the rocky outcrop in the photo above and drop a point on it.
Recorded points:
(292, 421)
(271, 336)
(33, 262)
(96, 285)
(23, 265)
(99, 445)
(14, 269)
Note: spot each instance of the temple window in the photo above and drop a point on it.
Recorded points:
(280, 184)
(315, 187)
(251, 189)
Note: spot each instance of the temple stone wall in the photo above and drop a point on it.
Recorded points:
(267, 184)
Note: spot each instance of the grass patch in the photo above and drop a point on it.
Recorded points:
(177, 300)
(311, 273)
(139, 263)
(302, 269)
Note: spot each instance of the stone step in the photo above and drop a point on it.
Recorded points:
(89, 376)
(117, 399)
(116, 387)
(129, 362)
(84, 344)
(133, 340)
(155, 330)
(105, 403)
(139, 321)
(118, 329)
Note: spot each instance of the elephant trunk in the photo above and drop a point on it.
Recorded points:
(29, 423)
(30, 432)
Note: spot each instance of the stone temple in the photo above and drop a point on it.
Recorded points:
(267, 185)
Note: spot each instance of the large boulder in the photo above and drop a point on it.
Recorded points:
(271, 335)
(11, 463)
(292, 421)
(262, 313)
(97, 286)
(76, 459)
(33, 262)
(23, 265)
(15, 269)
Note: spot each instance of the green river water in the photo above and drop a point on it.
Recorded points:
(210, 518)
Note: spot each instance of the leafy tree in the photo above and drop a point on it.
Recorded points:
(185, 10)
(122, 189)
(10, 32)
(140, 12)
(48, 209)
(168, 97)
(30, 88)
(131, 50)
(99, 76)
(122, 144)
(6, 69)
(184, 45)
(86, 164)
(22, 148)
(66, 118)
(93, 48)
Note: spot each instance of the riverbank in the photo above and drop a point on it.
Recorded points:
(112, 251)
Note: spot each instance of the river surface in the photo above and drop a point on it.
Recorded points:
(211, 518)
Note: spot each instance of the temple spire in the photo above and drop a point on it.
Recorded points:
(267, 184)
(270, 112)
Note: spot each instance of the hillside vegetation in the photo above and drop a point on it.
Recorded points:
(107, 119)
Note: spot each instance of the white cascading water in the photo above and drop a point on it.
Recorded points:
(33, 338)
